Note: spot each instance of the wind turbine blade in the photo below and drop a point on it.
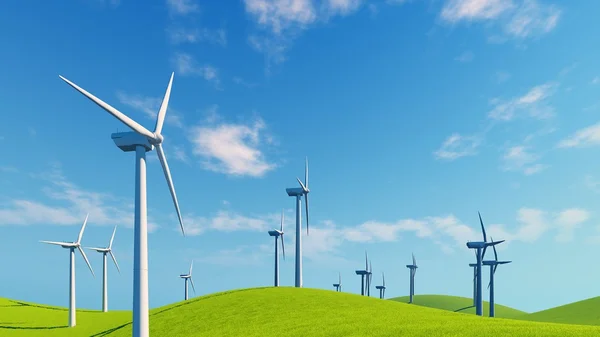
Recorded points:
(306, 171)
(86, 260)
(94, 248)
(495, 266)
(112, 238)
(483, 253)
(306, 207)
(494, 247)
(414, 260)
(282, 247)
(116, 113)
(282, 218)
(191, 266)
(339, 279)
(366, 261)
(192, 282)
(115, 261)
(482, 228)
(301, 184)
(58, 243)
(383, 277)
(165, 166)
(160, 118)
(489, 284)
(82, 229)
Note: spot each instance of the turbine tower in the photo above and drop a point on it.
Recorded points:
(338, 286)
(140, 141)
(362, 274)
(480, 248)
(368, 280)
(298, 192)
(188, 277)
(104, 251)
(277, 234)
(381, 287)
(493, 265)
(71, 246)
(413, 270)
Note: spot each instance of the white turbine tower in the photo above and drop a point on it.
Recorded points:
(104, 251)
(71, 246)
(187, 277)
(278, 233)
(140, 141)
(298, 193)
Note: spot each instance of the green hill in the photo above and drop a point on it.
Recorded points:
(583, 312)
(277, 312)
(459, 304)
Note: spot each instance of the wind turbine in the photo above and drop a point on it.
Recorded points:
(187, 277)
(140, 141)
(298, 192)
(362, 274)
(71, 246)
(104, 251)
(277, 234)
(338, 286)
(480, 248)
(413, 270)
(381, 287)
(369, 276)
(493, 265)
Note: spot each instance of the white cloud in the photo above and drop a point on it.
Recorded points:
(520, 158)
(186, 65)
(588, 136)
(465, 57)
(227, 221)
(533, 103)
(67, 204)
(149, 106)
(568, 220)
(457, 146)
(182, 7)
(241, 81)
(241, 255)
(519, 18)
(231, 148)
(179, 35)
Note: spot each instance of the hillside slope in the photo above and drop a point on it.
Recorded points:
(583, 312)
(459, 304)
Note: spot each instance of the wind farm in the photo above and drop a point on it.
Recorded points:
(412, 121)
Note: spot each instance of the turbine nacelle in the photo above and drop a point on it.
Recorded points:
(275, 233)
(128, 141)
(295, 191)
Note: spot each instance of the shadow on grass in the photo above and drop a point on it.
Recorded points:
(465, 308)
(32, 327)
(109, 331)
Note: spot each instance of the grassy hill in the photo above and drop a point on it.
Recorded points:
(278, 312)
(459, 304)
(582, 312)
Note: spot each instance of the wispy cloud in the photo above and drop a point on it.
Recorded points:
(518, 18)
(457, 146)
(520, 158)
(182, 7)
(149, 106)
(588, 136)
(241, 81)
(533, 103)
(179, 35)
(185, 64)
(465, 57)
(502, 76)
(231, 148)
(568, 220)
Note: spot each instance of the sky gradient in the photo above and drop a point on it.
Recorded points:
(414, 115)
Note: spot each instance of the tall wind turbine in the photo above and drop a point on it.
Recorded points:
(140, 141)
(277, 234)
(369, 277)
(493, 265)
(362, 274)
(298, 192)
(480, 248)
(381, 287)
(188, 277)
(413, 270)
(71, 246)
(104, 251)
(338, 286)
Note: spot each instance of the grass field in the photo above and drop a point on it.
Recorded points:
(582, 312)
(278, 312)
(459, 304)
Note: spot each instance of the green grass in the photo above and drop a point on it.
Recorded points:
(459, 304)
(279, 312)
(582, 312)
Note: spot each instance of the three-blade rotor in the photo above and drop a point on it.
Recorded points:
(305, 190)
(155, 138)
(108, 250)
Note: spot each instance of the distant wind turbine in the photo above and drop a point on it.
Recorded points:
(493, 265)
(277, 233)
(369, 277)
(140, 141)
(338, 286)
(362, 274)
(381, 287)
(71, 246)
(188, 277)
(480, 248)
(298, 192)
(104, 251)
(413, 270)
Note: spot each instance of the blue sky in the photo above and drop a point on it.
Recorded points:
(414, 115)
